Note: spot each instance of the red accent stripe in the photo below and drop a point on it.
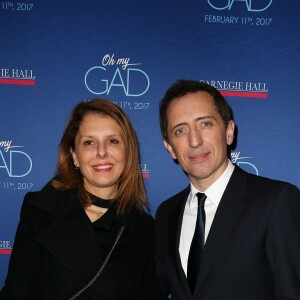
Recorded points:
(145, 175)
(17, 81)
(244, 94)
(5, 251)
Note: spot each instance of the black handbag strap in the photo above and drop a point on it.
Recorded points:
(101, 268)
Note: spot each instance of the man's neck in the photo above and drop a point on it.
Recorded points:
(204, 183)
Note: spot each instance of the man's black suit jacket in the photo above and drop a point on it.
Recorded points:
(253, 248)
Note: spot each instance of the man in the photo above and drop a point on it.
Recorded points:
(248, 226)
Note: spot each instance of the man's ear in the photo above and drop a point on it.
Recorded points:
(230, 132)
(170, 149)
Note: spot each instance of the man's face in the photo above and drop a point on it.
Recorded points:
(198, 138)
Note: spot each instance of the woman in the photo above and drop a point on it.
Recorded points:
(85, 235)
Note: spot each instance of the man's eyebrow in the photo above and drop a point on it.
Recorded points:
(204, 118)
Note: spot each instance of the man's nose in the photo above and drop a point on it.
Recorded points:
(195, 138)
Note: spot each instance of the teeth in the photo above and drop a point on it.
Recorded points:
(103, 167)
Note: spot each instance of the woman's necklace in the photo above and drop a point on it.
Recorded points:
(100, 212)
(98, 208)
(94, 212)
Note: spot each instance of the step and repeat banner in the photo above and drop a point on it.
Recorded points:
(56, 53)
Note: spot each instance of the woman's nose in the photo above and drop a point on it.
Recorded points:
(101, 150)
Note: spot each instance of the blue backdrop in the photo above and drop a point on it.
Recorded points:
(56, 53)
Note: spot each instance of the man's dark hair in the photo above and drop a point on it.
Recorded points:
(183, 87)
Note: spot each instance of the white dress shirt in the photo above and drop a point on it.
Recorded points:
(214, 194)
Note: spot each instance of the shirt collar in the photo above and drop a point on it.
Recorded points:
(215, 192)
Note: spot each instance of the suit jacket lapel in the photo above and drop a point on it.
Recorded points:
(67, 240)
(174, 230)
(228, 212)
(70, 234)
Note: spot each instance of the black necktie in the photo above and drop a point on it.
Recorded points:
(197, 245)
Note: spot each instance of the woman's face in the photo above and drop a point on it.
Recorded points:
(100, 154)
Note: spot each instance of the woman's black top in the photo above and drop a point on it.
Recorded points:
(58, 250)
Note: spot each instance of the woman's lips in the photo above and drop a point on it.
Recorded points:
(103, 167)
